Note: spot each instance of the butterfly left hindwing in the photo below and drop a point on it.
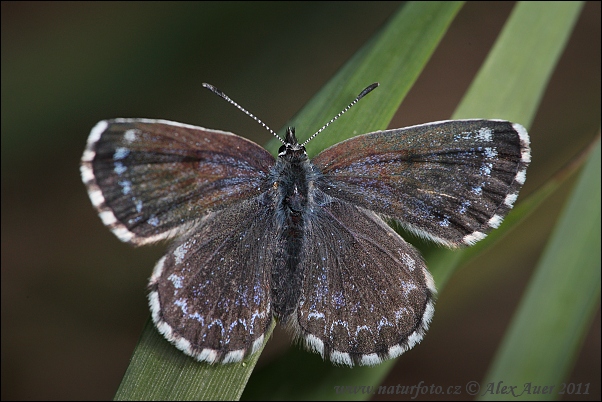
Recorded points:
(210, 295)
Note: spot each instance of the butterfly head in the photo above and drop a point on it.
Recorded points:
(291, 146)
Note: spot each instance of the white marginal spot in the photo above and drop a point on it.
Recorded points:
(314, 344)
(396, 350)
(414, 339)
(495, 221)
(108, 218)
(428, 315)
(208, 355)
(522, 134)
(234, 356)
(86, 173)
(430, 282)
(97, 198)
(521, 177)
(511, 199)
(525, 142)
(183, 345)
(257, 344)
(153, 301)
(122, 233)
(525, 155)
(473, 238)
(341, 358)
(370, 360)
(165, 329)
(158, 270)
(97, 131)
(88, 155)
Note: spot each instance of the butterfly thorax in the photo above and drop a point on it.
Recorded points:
(292, 178)
(293, 172)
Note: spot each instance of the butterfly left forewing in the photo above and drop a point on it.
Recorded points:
(451, 181)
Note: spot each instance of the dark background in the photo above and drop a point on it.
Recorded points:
(73, 296)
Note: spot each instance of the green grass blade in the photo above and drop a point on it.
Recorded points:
(510, 85)
(544, 338)
(518, 72)
(158, 371)
(394, 57)
(531, 203)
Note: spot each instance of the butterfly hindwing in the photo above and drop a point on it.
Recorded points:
(451, 181)
(366, 295)
(210, 295)
(152, 179)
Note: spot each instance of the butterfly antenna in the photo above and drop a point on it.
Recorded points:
(251, 115)
(360, 96)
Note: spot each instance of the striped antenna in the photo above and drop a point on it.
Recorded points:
(226, 97)
(360, 96)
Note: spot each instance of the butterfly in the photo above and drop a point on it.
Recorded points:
(257, 238)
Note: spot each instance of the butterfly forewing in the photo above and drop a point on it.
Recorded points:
(210, 295)
(153, 179)
(366, 294)
(451, 181)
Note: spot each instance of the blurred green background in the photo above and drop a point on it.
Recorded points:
(73, 296)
